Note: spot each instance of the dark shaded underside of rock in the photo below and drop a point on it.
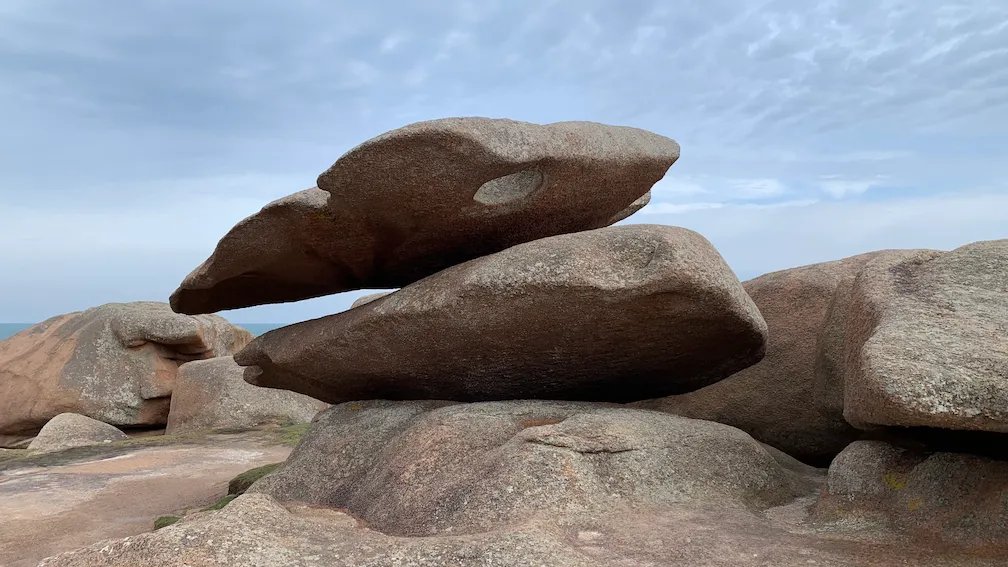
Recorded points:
(616, 314)
(424, 197)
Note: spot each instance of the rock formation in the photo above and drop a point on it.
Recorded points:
(616, 314)
(115, 363)
(480, 418)
(927, 341)
(416, 200)
(211, 394)
(955, 498)
(68, 430)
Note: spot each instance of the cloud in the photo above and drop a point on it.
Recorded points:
(837, 187)
(137, 137)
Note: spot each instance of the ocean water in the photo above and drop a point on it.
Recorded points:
(8, 329)
(260, 328)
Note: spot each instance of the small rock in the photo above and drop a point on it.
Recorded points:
(68, 430)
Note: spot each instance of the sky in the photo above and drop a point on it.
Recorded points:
(135, 133)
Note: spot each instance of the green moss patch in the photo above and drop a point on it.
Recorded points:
(224, 501)
(239, 484)
(165, 521)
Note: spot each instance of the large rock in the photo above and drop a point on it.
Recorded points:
(926, 344)
(616, 314)
(954, 498)
(68, 430)
(115, 363)
(773, 399)
(211, 394)
(423, 468)
(424, 197)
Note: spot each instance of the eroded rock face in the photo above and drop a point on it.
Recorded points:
(773, 400)
(115, 363)
(926, 341)
(211, 394)
(617, 314)
(955, 498)
(425, 197)
(425, 468)
(68, 430)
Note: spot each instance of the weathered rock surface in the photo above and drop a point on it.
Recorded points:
(927, 341)
(954, 498)
(513, 484)
(115, 363)
(414, 468)
(773, 399)
(68, 430)
(830, 365)
(616, 314)
(416, 200)
(211, 394)
(368, 298)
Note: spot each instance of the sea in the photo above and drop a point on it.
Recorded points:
(8, 329)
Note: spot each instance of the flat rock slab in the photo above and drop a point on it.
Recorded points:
(616, 314)
(927, 341)
(48, 510)
(416, 200)
(115, 363)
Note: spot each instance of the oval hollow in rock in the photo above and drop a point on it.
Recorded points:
(509, 188)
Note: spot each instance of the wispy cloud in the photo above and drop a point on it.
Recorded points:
(156, 114)
(837, 186)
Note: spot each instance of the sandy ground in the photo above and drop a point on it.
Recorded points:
(59, 507)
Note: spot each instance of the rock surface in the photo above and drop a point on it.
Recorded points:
(56, 502)
(68, 430)
(617, 314)
(954, 498)
(926, 341)
(514, 484)
(422, 468)
(115, 363)
(772, 400)
(416, 200)
(211, 394)
(368, 298)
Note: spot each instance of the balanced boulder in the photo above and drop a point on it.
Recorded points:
(68, 430)
(416, 200)
(926, 343)
(211, 394)
(115, 363)
(617, 314)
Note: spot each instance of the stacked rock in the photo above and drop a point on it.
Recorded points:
(481, 413)
(513, 284)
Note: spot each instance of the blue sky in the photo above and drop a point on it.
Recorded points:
(137, 132)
